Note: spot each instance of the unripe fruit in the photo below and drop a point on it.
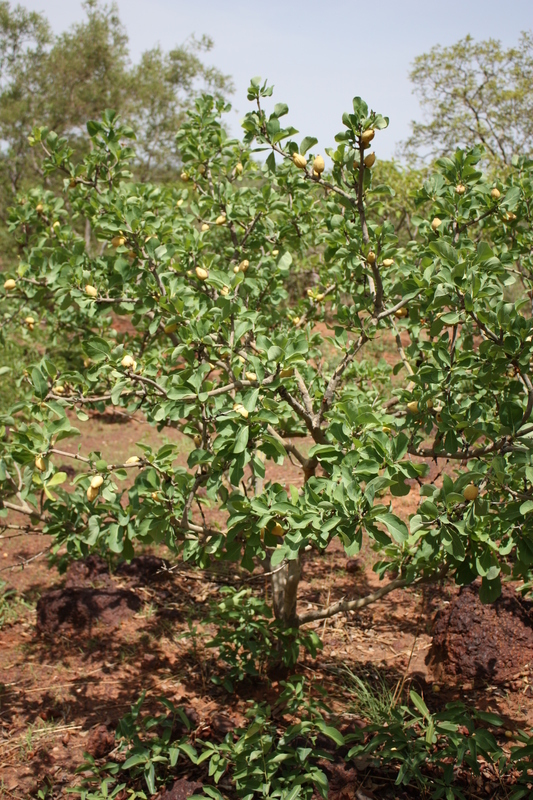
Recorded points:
(286, 372)
(278, 530)
(40, 463)
(91, 291)
(275, 252)
(224, 291)
(236, 269)
(29, 321)
(296, 320)
(238, 168)
(154, 496)
(205, 227)
(58, 389)
(370, 160)
(56, 224)
(128, 362)
(86, 362)
(371, 257)
(470, 492)
(368, 135)
(201, 169)
(495, 193)
(92, 493)
(388, 262)
(184, 177)
(118, 241)
(171, 327)
(132, 460)
(401, 313)
(197, 440)
(318, 165)
(72, 184)
(460, 188)
(243, 266)
(9, 284)
(429, 403)
(240, 409)
(201, 273)
(39, 208)
(221, 220)
(96, 482)
(31, 326)
(509, 216)
(436, 223)
(179, 202)
(413, 406)
(251, 376)
(299, 160)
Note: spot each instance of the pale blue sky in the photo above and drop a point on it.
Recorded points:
(317, 54)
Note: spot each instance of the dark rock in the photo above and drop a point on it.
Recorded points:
(78, 609)
(144, 568)
(354, 565)
(100, 742)
(486, 643)
(181, 789)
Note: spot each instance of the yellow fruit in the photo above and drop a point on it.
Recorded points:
(92, 493)
(236, 269)
(251, 376)
(460, 188)
(429, 403)
(470, 492)
(9, 284)
(128, 362)
(436, 223)
(221, 220)
(495, 193)
(240, 409)
(86, 362)
(56, 224)
(278, 530)
(509, 734)
(413, 406)
(319, 297)
(243, 266)
(197, 440)
(371, 257)
(388, 262)
(299, 160)
(242, 359)
(201, 169)
(40, 463)
(96, 482)
(179, 202)
(296, 320)
(58, 389)
(29, 321)
(318, 165)
(367, 136)
(171, 327)
(238, 168)
(275, 252)
(370, 160)
(435, 688)
(286, 372)
(31, 327)
(509, 216)
(184, 177)
(118, 241)
(224, 291)
(201, 273)
(401, 313)
(91, 291)
(386, 429)
(132, 460)
(39, 208)
(155, 496)
(205, 227)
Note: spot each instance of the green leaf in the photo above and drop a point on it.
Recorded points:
(242, 440)
(40, 383)
(307, 144)
(419, 704)
(395, 526)
(57, 478)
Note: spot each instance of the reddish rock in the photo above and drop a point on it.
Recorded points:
(486, 643)
(77, 609)
(181, 789)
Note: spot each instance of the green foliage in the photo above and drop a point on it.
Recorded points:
(249, 640)
(475, 93)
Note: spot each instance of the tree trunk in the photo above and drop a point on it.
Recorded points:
(284, 583)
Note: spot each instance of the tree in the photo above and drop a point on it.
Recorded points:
(62, 81)
(201, 270)
(474, 93)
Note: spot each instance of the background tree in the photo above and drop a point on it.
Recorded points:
(474, 93)
(62, 81)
